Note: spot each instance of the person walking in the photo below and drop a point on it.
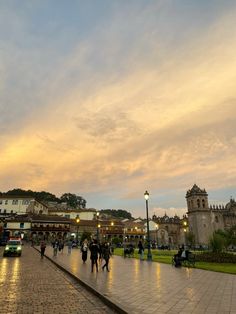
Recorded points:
(55, 247)
(84, 250)
(140, 251)
(94, 249)
(42, 248)
(69, 245)
(106, 253)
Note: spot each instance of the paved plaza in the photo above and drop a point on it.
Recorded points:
(29, 285)
(150, 287)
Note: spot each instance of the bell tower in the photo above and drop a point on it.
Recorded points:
(199, 215)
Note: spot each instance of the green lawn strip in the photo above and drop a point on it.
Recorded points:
(166, 257)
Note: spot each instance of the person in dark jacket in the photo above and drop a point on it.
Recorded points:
(42, 248)
(106, 252)
(140, 250)
(94, 250)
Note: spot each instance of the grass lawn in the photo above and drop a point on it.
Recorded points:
(163, 256)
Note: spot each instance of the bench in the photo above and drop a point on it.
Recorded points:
(188, 261)
(129, 251)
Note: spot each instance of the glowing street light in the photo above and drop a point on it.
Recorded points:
(77, 233)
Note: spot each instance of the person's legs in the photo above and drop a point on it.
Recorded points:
(107, 262)
(105, 265)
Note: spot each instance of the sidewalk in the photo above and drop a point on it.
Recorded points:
(31, 285)
(150, 287)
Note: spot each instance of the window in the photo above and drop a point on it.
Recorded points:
(6, 202)
(15, 202)
(203, 203)
(0, 210)
(0, 201)
(67, 216)
(25, 202)
(198, 203)
(22, 225)
(216, 219)
(5, 211)
(5, 225)
(11, 211)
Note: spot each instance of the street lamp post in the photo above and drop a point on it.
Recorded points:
(112, 224)
(149, 255)
(77, 232)
(97, 226)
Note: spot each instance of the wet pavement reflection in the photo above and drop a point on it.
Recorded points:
(149, 287)
(29, 284)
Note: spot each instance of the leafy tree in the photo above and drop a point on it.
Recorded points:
(42, 196)
(73, 200)
(86, 235)
(115, 241)
(218, 242)
(190, 237)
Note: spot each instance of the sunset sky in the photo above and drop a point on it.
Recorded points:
(109, 98)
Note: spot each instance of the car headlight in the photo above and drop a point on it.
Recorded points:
(18, 248)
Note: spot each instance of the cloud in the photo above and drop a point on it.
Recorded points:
(133, 105)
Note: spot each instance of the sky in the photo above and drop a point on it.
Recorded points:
(109, 98)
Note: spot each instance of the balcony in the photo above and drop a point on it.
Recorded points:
(50, 228)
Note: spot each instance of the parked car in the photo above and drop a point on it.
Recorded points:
(13, 248)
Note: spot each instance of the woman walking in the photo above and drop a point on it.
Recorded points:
(84, 250)
(106, 255)
(140, 250)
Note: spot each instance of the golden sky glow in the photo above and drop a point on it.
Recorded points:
(142, 99)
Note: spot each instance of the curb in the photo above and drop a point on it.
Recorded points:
(108, 302)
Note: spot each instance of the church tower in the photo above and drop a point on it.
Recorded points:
(199, 215)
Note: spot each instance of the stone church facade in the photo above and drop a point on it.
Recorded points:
(201, 220)
(204, 219)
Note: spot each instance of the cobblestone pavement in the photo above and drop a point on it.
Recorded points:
(29, 284)
(149, 287)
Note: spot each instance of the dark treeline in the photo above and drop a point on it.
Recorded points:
(118, 213)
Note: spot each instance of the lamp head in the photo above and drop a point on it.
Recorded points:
(77, 220)
(146, 195)
(97, 214)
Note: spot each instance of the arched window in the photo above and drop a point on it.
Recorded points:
(198, 203)
(203, 203)
(216, 219)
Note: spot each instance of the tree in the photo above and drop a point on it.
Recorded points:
(73, 200)
(218, 242)
(190, 237)
(86, 235)
(119, 213)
